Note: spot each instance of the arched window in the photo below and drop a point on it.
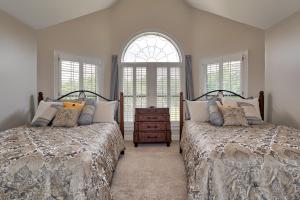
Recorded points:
(151, 47)
(151, 74)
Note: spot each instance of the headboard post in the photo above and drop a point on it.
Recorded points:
(181, 115)
(261, 101)
(122, 113)
(40, 97)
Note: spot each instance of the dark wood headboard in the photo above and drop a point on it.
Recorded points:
(230, 93)
(82, 93)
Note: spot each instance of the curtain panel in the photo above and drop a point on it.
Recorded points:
(189, 90)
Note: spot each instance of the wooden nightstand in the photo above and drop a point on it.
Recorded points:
(152, 125)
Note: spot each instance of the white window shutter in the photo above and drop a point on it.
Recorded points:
(89, 77)
(69, 76)
(162, 87)
(128, 93)
(141, 87)
(175, 90)
(213, 77)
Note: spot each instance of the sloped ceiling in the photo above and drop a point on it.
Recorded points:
(43, 13)
(259, 13)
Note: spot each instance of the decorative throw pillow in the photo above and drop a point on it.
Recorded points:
(252, 116)
(66, 117)
(198, 111)
(74, 105)
(87, 114)
(250, 106)
(233, 116)
(105, 111)
(46, 117)
(45, 113)
(215, 116)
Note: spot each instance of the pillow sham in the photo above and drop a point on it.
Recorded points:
(250, 106)
(66, 117)
(88, 111)
(233, 116)
(198, 111)
(105, 111)
(46, 111)
(215, 115)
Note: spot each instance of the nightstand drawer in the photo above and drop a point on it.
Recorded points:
(152, 110)
(152, 126)
(152, 118)
(152, 136)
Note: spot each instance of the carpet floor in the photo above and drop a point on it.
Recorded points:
(150, 172)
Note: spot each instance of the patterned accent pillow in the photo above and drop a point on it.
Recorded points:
(252, 116)
(215, 115)
(46, 116)
(88, 112)
(236, 102)
(66, 117)
(233, 116)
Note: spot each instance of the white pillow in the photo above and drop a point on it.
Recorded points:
(198, 111)
(43, 108)
(226, 101)
(105, 111)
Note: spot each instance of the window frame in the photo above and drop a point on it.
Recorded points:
(133, 39)
(151, 81)
(243, 56)
(81, 60)
(149, 65)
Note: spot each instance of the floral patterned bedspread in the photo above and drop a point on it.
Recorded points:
(256, 162)
(59, 163)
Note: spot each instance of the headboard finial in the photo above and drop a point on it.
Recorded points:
(40, 97)
(261, 100)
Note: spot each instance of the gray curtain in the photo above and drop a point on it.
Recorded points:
(114, 83)
(114, 80)
(189, 90)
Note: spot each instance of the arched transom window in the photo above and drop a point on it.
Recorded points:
(151, 47)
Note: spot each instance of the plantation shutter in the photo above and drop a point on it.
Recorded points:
(76, 74)
(128, 84)
(225, 74)
(175, 90)
(162, 87)
(232, 76)
(89, 77)
(69, 76)
(141, 87)
(213, 77)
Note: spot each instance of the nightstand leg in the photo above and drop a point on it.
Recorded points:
(168, 144)
(135, 144)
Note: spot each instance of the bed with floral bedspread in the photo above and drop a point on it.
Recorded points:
(255, 162)
(59, 163)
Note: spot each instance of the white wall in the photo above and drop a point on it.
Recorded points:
(201, 34)
(283, 72)
(17, 72)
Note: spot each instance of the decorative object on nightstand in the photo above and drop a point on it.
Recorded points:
(152, 125)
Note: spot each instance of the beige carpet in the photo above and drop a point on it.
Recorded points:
(150, 172)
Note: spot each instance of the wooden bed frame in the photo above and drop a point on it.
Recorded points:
(82, 93)
(224, 93)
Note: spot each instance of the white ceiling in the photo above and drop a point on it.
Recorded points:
(43, 13)
(259, 13)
